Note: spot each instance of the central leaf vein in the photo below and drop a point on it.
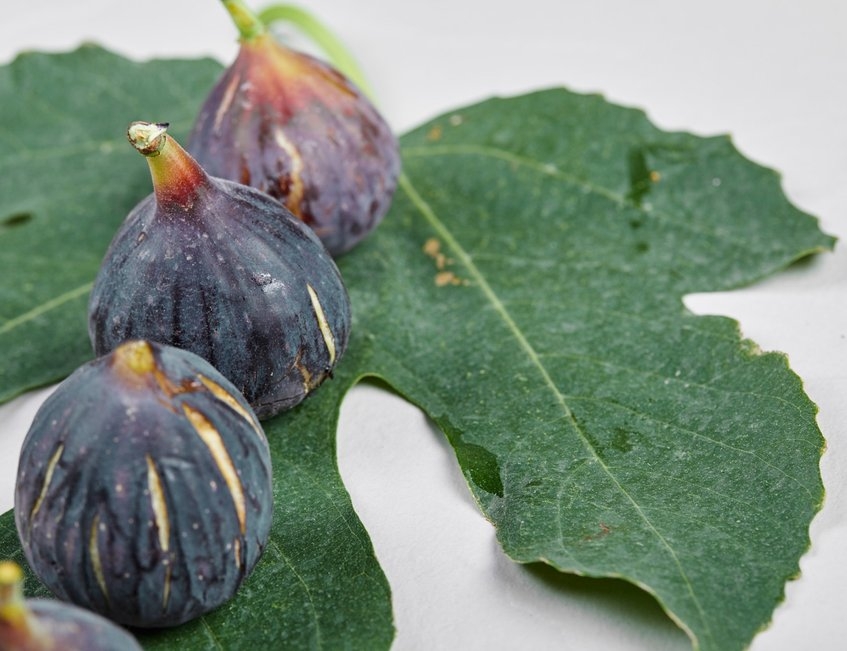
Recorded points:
(481, 282)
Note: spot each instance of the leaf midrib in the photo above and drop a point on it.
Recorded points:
(429, 215)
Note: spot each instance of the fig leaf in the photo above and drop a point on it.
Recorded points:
(526, 292)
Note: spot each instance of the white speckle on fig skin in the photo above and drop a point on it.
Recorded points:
(274, 287)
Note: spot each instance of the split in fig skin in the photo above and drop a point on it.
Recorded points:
(297, 129)
(144, 487)
(50, 625)
(226, 272)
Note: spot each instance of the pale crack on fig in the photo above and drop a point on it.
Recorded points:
(323, 324)
(213, 441)
(226, 102)
(236, 544)
(160, 516)
(94, 555)
(228, 399)
(158, 503)
(48, 477)
(294, 197)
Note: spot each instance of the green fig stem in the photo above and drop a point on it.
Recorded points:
(336, 52)
(176, 175)
(12, 604)
(18, 627)
(248, 24)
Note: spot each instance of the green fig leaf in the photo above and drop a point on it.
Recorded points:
(68, 178)
(526, 292)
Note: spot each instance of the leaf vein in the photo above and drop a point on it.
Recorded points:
(682, 381)
(211, 633)
(698, 435)
(37, 311)
(329, 497)
(273, 543)
(549, 169)
(482, 283)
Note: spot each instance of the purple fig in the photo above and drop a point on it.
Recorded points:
(144, 487)
(296, 128)
(50, 625)
(225, 271)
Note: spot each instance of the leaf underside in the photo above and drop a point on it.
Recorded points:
(526, 292)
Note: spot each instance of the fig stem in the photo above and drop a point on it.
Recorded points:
(248, 24)
(14, 612)
(134, 358)
(147, 138)
(176, 175)
(13, 609)
(336, 52)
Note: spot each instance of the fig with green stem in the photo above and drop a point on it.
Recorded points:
(51, 625)
(298, 129)
(226, 272)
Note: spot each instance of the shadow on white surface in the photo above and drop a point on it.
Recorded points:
(451, 583)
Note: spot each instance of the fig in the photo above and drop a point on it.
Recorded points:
(144, 487)
(295, 127)
(225, 271)
(50, 625)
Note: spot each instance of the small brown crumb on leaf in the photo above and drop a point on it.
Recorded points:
(432, 248)
(444, 278)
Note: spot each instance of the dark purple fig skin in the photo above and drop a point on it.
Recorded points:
(293, 126)
(227, 278)
(86, 509)
(61, 626)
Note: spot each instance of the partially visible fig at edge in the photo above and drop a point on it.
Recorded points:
(51, 625)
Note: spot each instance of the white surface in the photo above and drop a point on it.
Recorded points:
(772, 73)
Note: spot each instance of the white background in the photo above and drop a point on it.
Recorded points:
(770, 72)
